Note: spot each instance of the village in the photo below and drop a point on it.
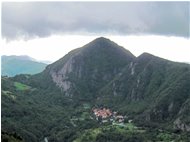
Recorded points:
(105, 115)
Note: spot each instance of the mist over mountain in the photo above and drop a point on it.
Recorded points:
(57, 103)
(14, 65)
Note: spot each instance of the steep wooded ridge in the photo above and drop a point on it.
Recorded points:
(151, 91)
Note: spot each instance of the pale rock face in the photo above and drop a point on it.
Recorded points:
(80, 72)
(170, 107)
(180, 125)
(131, 64)
(132, 67)
(115, 93)
(133, 94)
(60, 77)
(132, 71)
(138, 81)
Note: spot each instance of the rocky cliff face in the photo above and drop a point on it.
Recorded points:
(182, 120)
(61, 78)
(179, 124)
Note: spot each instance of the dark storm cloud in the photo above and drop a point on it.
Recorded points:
(41, 19)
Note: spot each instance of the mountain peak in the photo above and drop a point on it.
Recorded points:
(104, 45)
(148, 56)
(102, 42)
(102, 39)
(145, 55)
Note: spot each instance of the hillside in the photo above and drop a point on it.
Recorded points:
(14, 65)
(143, 98)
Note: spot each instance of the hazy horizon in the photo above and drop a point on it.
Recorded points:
(165, 47)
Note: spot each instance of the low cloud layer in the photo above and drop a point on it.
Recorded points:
(42, 19)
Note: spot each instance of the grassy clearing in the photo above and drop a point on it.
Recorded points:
(21, 87)
(130, 127)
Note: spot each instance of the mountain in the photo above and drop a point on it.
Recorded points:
(95, 63)
(155, 88)
(14, 65)
(57, 103)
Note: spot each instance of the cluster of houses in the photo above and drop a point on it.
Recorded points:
(106, 115)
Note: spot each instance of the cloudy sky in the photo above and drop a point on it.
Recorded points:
(48, 30)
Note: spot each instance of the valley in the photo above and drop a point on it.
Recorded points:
(99, 93)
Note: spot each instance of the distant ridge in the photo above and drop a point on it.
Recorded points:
(14, 65)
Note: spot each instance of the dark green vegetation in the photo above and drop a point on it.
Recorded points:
(6, 137)
(14, 65)
(57, 103)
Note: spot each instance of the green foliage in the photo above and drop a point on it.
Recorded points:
(7, 137)
(21, 87)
